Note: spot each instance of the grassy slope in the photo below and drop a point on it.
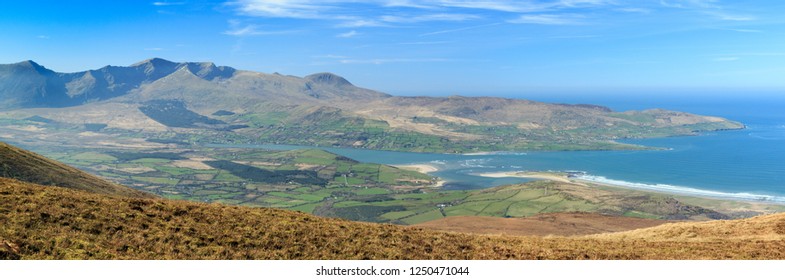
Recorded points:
(560, 224)
(55, 223)
(542, 197)
(31, 167)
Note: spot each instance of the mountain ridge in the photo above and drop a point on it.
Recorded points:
(273, 108)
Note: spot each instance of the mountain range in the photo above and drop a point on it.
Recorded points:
(202, 102)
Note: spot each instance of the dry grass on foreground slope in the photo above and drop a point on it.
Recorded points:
(561, 224)
(38, 222)
(33, 168)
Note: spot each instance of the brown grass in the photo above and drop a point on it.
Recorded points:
(55, 223)
(558, 224)
(33, 168)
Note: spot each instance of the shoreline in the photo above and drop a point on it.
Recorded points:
(426, 169)
(587, 180)
(526, 174)
(422, 168)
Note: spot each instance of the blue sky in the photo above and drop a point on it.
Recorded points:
(425, 47)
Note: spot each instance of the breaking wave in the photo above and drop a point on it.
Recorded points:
(683, 190)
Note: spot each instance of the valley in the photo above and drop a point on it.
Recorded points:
(325, 184)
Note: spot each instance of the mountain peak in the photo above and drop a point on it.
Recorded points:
(155, 61)
(29, 64)
(328, 78)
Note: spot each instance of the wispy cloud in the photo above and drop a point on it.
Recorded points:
(504, 6)
(459, 29)
(744, 30)
(166, 3)
(681, 4)
(429, 17)
(408, 4)
(391, 60)
(42, 37)
(549, 19)
(575, 37)
(730, 17)
(244, 30)
(385, 12)
(348, 34)
(254, 30)
(634, 10)
(711, 8)
(751, 54)
(356, 23)
(426, 43)
(283, 8)
(154, 49)
(331, 56)
(525, 6)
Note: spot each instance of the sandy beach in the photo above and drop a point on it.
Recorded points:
(685, 192)
(524, 174)
(422, 168)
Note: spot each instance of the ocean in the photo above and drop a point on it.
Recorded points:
(746, 164)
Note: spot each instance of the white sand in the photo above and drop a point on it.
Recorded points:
(521, 174)
(422, 168)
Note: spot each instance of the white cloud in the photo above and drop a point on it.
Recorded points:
(730, 17)
(401, 11)
(744, 30)
(348, 34)
(240, 30)
(548, 19)
(459, 29)
(165, 3)
(354, 23)
(575, 37)
(634, 10)
(426, 43)
(391, 60)
(331, 56)
(753, 54)
(408, 4)
(282, 8)
(708, 7)
(429, 17)
(504, 6)
(153, 49)
(682, 4)
(42, 37)
(524, 6)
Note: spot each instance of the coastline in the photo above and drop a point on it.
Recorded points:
(587, 180)
(526, 174)
(424, 168)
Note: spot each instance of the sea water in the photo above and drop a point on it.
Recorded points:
(746, 164)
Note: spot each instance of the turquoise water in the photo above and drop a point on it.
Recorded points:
(744, 164)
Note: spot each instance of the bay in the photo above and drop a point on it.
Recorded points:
(744, 164)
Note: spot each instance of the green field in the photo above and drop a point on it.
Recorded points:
(322, 183)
